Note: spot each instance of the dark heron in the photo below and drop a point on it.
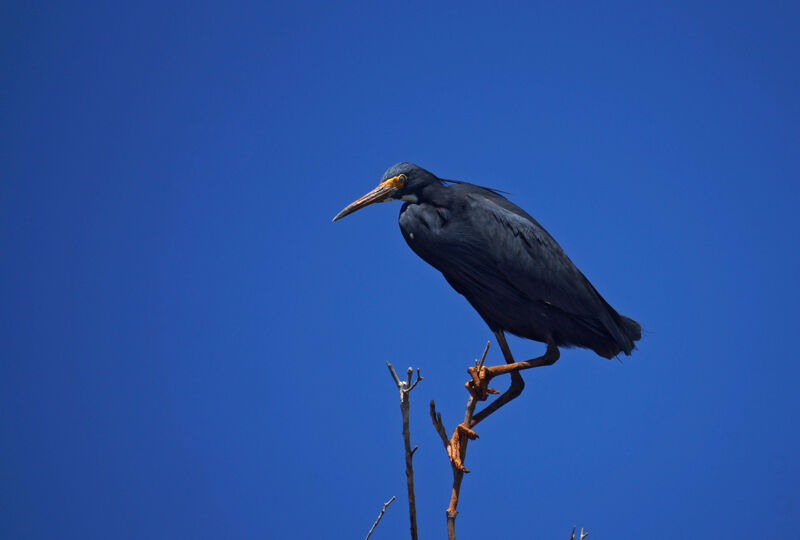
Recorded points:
(507, 266)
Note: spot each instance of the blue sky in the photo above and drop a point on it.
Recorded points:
(191, 349)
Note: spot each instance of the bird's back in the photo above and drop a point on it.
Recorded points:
(512, 271)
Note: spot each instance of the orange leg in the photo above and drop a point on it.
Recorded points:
(478, 387)
(517, 384)
(481, 375)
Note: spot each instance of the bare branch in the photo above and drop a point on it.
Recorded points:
(419, 378)
(437, 423)
(394, 375)
(378, 519)
(405, 388)
(483, 356)
(583, 535)
(456, 447)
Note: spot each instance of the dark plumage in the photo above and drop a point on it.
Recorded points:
(505, 264)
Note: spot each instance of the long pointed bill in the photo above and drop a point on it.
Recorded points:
(380, 193)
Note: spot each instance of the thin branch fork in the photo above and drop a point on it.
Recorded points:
(456, 447)
(378, 519)
(405, 387)
(583, 535)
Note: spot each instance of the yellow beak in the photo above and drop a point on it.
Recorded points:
(380, 193)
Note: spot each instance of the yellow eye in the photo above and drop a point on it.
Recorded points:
(402, 179)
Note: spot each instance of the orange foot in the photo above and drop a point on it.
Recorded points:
(455, 450)
(478, 386)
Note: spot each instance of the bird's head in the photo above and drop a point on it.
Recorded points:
(403, 181)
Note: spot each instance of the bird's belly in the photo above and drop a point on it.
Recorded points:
(505, 308)
(501, 305)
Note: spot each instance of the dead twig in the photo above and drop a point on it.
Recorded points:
(405, 388)
(456, 448)
(378, 519)
(583, 535)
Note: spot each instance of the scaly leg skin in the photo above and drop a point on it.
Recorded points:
(478, 386)
(455, 450)
(479, 389)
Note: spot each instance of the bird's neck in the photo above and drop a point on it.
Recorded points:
(435, 193)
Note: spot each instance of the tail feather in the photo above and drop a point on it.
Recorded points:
(615, 335)
(631, 331)
(631, 328)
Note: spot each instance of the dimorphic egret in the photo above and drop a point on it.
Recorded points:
(507, 266)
